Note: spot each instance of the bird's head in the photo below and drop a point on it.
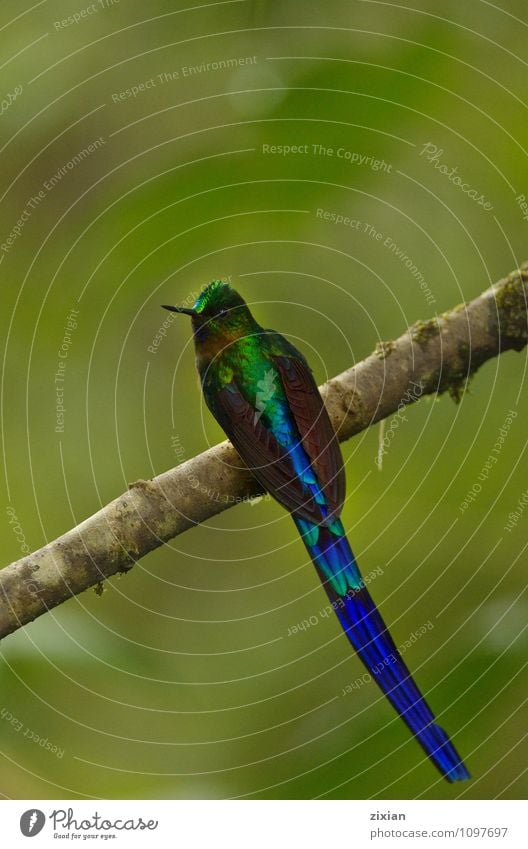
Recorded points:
(219, 311)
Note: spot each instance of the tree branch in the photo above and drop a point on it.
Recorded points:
(430, 358)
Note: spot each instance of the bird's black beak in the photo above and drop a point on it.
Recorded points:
(183, 310)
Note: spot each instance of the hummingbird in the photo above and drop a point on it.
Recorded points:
(262, 392)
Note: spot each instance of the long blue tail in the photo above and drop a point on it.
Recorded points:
(366, 630)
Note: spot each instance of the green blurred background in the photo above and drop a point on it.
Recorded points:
(181, 681)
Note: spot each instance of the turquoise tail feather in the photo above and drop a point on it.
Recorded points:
(368, 634)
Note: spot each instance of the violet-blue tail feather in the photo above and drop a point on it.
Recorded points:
(370, 637)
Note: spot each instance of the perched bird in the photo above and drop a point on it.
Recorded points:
(261, 391)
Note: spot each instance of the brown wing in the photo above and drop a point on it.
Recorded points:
(262, 453)
(315, 428)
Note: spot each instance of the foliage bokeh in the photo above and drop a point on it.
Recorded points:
(181, 681)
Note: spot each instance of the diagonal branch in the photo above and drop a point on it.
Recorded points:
(430, 358)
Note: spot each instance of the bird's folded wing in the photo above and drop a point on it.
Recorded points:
(269, 462)
(315, 428)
